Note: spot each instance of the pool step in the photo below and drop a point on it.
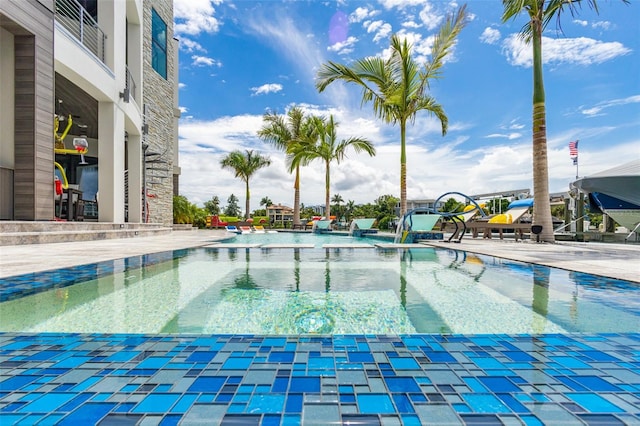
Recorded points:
(27, 232)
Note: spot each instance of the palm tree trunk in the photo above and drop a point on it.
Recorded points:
(296, 198)
(326, 198)
(403, 168)
(541, 203)
(246, 214)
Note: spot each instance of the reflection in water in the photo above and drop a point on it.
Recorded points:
(573, 310)
(245, 281)
(296, 267)
(403, 277)
(540, 302)
(327, 273)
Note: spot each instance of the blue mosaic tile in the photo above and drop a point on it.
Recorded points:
(594, 403)
(485, 403)
(207, 384)
(265, 403)
(499, 384)
(305, 384)
(404, 364)
(402, 384)
(398, 389)
(89, 413)
(375, 403)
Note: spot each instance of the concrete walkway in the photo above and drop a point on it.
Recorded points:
(620, 261)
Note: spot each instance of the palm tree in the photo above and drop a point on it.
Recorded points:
(284, 133)
(320, 141)
(266, 201)
(349, 208)
(398, 86)
(244, 165)
(540, 13)
(337, 199)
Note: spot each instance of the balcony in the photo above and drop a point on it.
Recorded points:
(75, 19)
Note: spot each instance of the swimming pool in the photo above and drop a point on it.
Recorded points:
(168, 378)
(280, 291)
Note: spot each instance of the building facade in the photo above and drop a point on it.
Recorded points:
(280, 214)
(90, 63)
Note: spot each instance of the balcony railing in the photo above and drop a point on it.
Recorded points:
(130, 85)
(81, 24)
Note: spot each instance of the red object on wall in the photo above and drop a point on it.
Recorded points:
(58, 184)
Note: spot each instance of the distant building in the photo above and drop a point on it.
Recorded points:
(419, 204)
(319, 209)
(279, 214)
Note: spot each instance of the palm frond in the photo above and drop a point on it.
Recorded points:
(444, 41)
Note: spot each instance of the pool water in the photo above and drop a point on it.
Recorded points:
(317, 239)
(222, 289)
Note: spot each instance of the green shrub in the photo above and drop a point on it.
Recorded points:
(257, 219)
(230, 219)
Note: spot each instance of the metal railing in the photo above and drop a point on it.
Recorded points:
(81, 24)
(130, 85)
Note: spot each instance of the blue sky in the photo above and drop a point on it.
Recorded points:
(239, 59)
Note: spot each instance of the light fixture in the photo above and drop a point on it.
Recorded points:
(124, 95)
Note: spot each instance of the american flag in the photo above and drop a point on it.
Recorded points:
(573, 149)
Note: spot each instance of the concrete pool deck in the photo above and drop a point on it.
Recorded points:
(417, 379)
(621, 261)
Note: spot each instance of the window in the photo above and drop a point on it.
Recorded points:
(158, 44)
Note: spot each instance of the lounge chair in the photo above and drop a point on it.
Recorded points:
(245, 229)
(457, 223)
(511, 219)
(258, 229)
(233, 228)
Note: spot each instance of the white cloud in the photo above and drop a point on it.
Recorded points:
(183, 109)
(181, 85)
(604, 25)
(430, 18)
(380, 28)
(410, 24)
(509, 136)
(401, 4)
(191, 46)
(361, 13)
(282, 33)
(580, 22)
(344, 47)
(266, 88)
(452, 166)
(201, 61)
(582, 51)
(597, 109)
(490, 36)
(195, 16)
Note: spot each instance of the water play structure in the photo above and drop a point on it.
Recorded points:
(418, 223)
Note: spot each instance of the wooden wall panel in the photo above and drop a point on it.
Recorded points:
(31, 22)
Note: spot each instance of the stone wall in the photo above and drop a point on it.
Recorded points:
(158, 97)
